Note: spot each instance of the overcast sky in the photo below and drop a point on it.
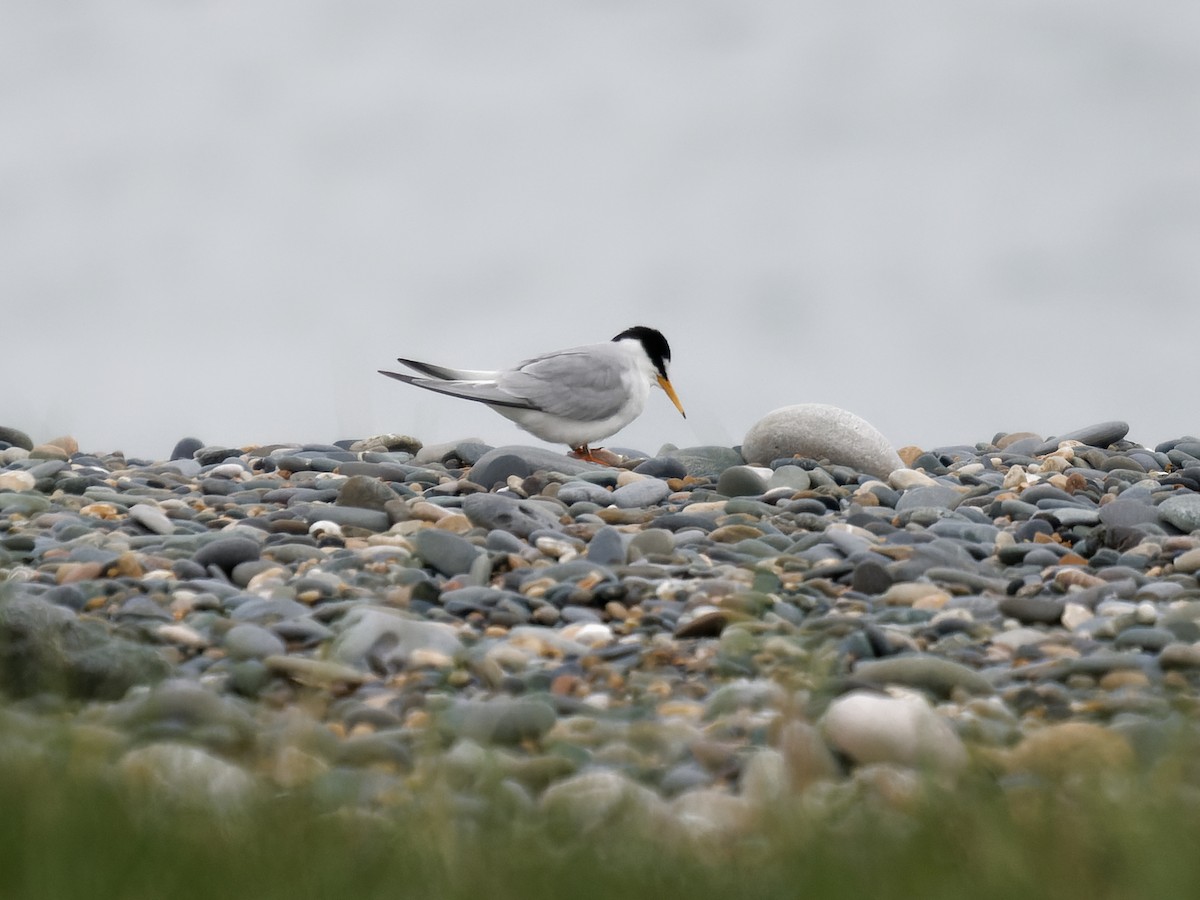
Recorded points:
(220, 218)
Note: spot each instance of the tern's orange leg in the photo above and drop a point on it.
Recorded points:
(599, 456)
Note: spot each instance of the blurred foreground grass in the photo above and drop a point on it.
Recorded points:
(72, 836)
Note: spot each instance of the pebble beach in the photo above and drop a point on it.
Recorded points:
(684, 643)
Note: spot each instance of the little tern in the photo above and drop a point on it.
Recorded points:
(573, 396)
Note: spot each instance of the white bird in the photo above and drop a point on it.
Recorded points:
(574, 396)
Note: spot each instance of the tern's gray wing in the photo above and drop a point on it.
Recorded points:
(481, 391)
(445, 373)
(585, 384)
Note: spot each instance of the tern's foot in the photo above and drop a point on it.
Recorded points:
(599, 456)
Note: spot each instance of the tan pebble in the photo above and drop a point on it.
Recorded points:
(126, 566)
(616, 610)
(1016, 477)
(424, 658)
(908, 454)
(182, 635)
(66, 442)
(16, 481)
(1124, 678)
(48, 451)
(267, 578)
(903, 479)
(1074, 615)
(567, 685)
(936, 600)
(1054, 464)
(865, 497)
(625, 477)
(1069, 578)
(408, 526)
(537, 587)
(907, 593)
(100, 511)
(680, 709)
(731, 534)
(1075, 482)
(428, 512)
(1188, 561)
(70, 573)
(455, 523)
(561, 550)
(706, 507)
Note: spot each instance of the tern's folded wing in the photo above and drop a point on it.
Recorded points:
(480, 391)
(583, 385)
(445, 373)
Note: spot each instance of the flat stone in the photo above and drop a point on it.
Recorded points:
(507, 513)
(1102, 435)
(938, 496)
(938, 676)
(639, 494)
(1034, 610)
(496, 466)
(151, 518)
(819, 431)
(584, 492)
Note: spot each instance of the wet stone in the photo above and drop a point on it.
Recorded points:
(225, 553)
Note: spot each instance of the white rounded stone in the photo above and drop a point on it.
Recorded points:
(872, 728)
(820, 431)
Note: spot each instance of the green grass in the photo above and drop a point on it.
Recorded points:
(72, 836)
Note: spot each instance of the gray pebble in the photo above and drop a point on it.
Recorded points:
(447, 553)
(249, 641)
(1182, 511)
(741, 481)
(647, 492)
(519, 517)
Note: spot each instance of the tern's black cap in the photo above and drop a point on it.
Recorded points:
(653, 341)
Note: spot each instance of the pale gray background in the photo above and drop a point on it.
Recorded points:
(220, 218)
